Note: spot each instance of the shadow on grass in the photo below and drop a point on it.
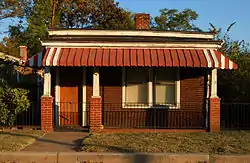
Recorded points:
(79, 147)
(73, 146)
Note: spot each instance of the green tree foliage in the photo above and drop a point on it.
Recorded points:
(15, 8)
(234, 85)
(94, 14)
(34, 19)
(12, 100)
(172, 19)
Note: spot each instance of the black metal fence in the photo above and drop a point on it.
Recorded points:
(235, 116)
(71, 114)
(30, 118)
(160, 116)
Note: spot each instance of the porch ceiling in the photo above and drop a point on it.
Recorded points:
(132, 57)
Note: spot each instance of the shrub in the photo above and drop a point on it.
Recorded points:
(13, 101)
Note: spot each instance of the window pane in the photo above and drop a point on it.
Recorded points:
(137, 93)
(166, 74)
(165, 85)
(137, 85)
(137, 75)
(165, 94)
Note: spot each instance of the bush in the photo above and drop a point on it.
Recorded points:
(13, 101)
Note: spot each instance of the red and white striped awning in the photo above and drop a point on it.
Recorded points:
(132, 57)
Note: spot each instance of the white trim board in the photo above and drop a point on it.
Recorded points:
(64, 44)
(130, 33)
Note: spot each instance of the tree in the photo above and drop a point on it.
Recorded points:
(174, 20)
(15, 8)
(34, 18)
(94, 14)
(234, 85)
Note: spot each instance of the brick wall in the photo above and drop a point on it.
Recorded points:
(192, 96)
(214, 115)
(47, 113)
(95, 114)
(193, 88)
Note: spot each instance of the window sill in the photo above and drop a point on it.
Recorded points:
(124, 106)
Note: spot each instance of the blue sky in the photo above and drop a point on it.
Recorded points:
(219, 12)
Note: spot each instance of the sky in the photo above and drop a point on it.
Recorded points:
(219, 12)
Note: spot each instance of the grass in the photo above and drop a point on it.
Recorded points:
(17, 139)
(237, 142)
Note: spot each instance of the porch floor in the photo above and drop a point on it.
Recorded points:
(57, 142)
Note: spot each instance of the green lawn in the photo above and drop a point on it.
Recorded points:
(212, 143)
(18, 139)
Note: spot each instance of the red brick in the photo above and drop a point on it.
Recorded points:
(95, 114)
(46, 113)
(214, 114)
(142, 21)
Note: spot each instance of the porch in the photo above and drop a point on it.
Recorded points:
(113, 117)
(131, 98)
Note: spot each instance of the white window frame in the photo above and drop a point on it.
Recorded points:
(150, 91)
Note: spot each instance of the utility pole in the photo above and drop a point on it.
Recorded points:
(53, 13)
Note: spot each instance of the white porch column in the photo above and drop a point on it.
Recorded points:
(150, 85)
(214, 84)
(57, 96)
(96, 86)
(47, 82)
(84, 99)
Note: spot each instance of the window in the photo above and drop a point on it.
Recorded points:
(145, 87)
(165, 86)
(136, 90)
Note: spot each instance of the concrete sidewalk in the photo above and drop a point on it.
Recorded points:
(81, 157)
(57, 142)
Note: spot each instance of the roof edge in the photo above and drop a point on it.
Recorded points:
(214, 45)
(145, 33)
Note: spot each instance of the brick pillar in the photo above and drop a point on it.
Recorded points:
(96, 114)
(47, 113)
(214, 114)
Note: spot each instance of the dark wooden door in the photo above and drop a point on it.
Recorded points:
(70, 96)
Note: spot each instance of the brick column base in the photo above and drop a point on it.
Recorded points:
(96, 114)
(214, 114)
(47, 113)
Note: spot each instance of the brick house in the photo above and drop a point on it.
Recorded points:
(131, 79)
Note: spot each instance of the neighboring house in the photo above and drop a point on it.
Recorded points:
(18, 74)
(11, 72)
(131, 78)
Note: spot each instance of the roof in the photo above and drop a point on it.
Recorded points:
(132, 57)
(11, 58)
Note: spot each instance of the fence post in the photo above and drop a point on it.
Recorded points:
(47, 113)
(214, 114)
(96, 114)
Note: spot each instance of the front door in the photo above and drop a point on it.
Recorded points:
(70, 96)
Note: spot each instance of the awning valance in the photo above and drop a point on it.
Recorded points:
(117, 57)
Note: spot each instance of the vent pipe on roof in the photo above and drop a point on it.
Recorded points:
(142, 21)
(23, 53)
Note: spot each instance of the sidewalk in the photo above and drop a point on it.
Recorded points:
(57, 142)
